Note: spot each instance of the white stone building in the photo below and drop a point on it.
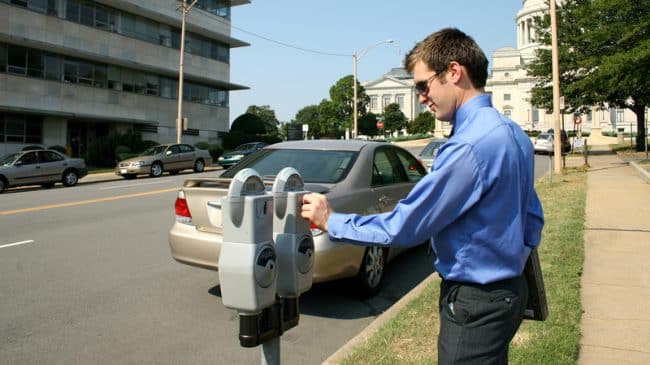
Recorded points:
(72, 71)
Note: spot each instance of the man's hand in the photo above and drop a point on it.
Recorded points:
(316, 208)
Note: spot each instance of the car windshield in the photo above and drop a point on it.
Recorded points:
(545, 136)
(313, 165)
(244, 147)
(8, 159)
(155, 150)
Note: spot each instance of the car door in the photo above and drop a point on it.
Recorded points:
(26, 170)
(52, 165)
(172, 158)
(390, 181)
(186, 157)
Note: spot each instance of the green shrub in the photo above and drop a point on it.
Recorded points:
(215, 151)
(58, 149)
(202, 145)
(32, 147)
(103, 152)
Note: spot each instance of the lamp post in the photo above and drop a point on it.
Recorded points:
(355, 58)
(184, 8)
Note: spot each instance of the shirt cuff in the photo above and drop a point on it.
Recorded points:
(336, 223)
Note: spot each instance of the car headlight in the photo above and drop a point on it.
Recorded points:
(237, 157)
(137, 163)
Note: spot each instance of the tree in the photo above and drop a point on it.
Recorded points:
(342, 95)
(394, 119)
(424, 123)
(330, 123)
(604, 57)
(367, 125)
(267, 115)
(248, 123)
(310, 115)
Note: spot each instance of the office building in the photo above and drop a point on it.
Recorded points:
(73, 71)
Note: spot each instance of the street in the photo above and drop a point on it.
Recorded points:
(87, 277)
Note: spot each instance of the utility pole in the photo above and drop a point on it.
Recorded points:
(184, 8)
(557, 144)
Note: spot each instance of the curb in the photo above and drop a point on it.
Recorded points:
(643, 173)
(345, 350)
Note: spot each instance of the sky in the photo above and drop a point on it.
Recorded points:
(288, 79)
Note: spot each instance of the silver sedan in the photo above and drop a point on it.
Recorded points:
(40, 167)
(357, 176)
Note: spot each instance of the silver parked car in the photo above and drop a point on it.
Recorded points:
(429, 152)
(165, 157)
(40, 167)
(357, 176)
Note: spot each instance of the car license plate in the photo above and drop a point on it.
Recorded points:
(123, 171)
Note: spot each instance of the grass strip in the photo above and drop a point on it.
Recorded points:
(411, 336)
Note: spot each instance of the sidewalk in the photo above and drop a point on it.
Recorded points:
(616, 274)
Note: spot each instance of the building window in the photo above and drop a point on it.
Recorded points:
(506, 97)
(38, 64)
(385, 100)
(507, 113)
(535, 115)
(373, 102)
(400, 100)
(18, 128)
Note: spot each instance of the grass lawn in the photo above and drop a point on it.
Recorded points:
(411, 336)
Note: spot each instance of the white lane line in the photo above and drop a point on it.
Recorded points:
(16, 243)
(134, 185)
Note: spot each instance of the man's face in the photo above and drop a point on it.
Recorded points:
(434, 91)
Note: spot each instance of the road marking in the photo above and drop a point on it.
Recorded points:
(135, 185)
(84, 202)
(16, 243)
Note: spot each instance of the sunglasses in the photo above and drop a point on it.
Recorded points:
(422, 87)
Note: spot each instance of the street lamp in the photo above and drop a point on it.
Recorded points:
(355, 58)
(184, 8)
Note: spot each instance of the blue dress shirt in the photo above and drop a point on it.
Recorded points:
(478, 204)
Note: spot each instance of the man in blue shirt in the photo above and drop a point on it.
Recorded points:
(478, 205)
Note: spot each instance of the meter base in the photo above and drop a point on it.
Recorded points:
(273, 321)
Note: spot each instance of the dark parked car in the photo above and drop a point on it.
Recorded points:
(40, 167)
(228, 159)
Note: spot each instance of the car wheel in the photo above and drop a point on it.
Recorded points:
(70, 178)
(199, 166)
(371, 272)
(49, 185)
(3, 184)
(156, 169)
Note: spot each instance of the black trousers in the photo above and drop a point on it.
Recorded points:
(477, 322)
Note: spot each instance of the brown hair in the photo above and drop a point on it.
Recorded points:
(446, 45)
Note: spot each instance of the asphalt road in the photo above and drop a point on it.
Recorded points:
(86, 277)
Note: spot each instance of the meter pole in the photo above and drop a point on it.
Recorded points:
(271, 351)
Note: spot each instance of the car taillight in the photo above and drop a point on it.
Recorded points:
(181, 209)
(315, 231)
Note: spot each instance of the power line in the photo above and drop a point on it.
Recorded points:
(292, 46)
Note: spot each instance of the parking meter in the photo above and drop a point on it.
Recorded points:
(293, 240)
(247, 263)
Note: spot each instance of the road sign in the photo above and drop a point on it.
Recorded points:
(561, 102)
(380, 124)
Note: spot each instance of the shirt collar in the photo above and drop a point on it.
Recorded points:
(470, 106)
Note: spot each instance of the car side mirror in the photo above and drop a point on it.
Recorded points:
(168, 152)
(18, 163)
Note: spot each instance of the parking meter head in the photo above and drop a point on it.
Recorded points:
(248, 260)
(293, 240)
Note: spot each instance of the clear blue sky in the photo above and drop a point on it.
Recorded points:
(288, 79)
